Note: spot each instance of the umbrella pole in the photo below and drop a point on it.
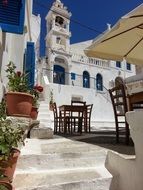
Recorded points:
(124, 62)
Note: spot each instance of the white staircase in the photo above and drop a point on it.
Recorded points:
(61, 164)
(45, 130)
(45, 115)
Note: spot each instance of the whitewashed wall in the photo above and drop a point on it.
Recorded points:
(14, 45)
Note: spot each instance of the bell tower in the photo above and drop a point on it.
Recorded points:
(58, 42)
(58, 34)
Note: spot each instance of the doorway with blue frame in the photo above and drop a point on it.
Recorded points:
(59, 74)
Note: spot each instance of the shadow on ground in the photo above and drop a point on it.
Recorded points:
(104, 139)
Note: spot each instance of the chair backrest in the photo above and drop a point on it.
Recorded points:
(119, 99)
(78, 103)
(55, 112)
(89, 110)
(73, 102)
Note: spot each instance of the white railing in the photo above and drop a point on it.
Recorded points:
(89, 60)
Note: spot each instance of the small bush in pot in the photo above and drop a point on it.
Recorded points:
(35, 92)
(18, 98)
(4, 185)
(10, 137)
(17, 81)
(11, 134)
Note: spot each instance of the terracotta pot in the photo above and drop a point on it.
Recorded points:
(19, 104)
(34, 113)
(5, 184)
(10, 165)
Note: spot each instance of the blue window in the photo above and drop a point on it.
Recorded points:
(73, 76)
(59, 74)
(29, 66)
(86, 79)
(128, 66)
(12, 14)
(99, 82)
(118, 64)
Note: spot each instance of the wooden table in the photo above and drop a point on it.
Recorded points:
(64, 109)
(136, 98)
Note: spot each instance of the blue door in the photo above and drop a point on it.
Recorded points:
(29, 67)
(59, 74)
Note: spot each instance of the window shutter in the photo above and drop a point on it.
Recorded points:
(12, 14)
(30, 63)
(73, 76)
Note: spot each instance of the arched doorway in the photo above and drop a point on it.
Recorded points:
(59, 74)
(86, 79)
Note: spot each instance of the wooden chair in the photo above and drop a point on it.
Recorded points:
(119, 102)
(135, 101)
(59, 121)
(88, 119)
(73, 102)
(77, 119)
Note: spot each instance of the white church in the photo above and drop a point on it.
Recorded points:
(71, 75)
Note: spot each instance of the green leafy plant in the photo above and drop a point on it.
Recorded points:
(10, 135)
(37, 89)
(4, 183)
(2, 110)
(17, 81)
(3, 187)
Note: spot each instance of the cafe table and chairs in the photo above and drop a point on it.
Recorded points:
(72, 121)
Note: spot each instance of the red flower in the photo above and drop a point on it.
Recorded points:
(18, 73)
(40, 88)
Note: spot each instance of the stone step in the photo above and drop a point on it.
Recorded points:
(46, 123)
(44, 116)
(44, 108)
(41, 133)
(83, 178)
(58, 145)
(44, 120)
(63, 161)
(61, 164)
(42, 105)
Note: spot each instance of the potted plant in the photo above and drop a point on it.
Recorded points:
(18, 98)
(10, 137)
(35, 92)
(51, 100)
(5, 186)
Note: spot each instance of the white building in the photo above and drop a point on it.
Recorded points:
(13, 44)
(71, 74)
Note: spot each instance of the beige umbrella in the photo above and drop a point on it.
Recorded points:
(124, 40)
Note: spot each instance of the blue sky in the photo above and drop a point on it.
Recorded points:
(92, 13)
